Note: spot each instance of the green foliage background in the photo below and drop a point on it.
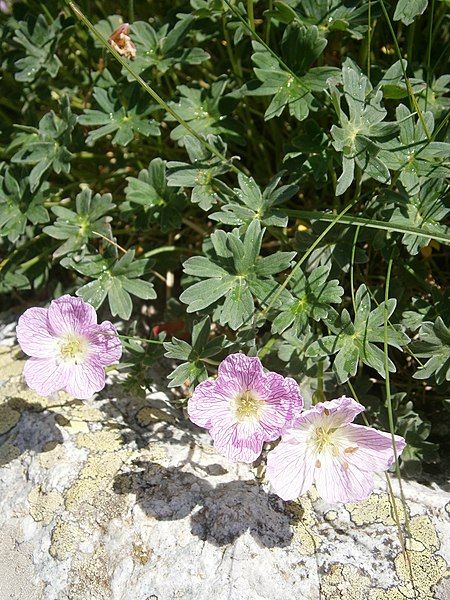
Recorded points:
(267, 177)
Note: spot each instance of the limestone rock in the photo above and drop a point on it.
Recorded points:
(122, 499)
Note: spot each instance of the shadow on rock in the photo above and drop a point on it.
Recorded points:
(225, 512)
(24, 426)
(147, 420)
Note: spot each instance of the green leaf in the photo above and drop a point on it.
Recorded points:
(355, 342)
(407, 10)
(115, 279)
(291, 88)
(47, 146)
(78, 226)
(233, 270)
(125, 117)
(311, 298)
(434, 344)
(19, 206)
(160, 203)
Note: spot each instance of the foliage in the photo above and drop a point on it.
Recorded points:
(241, 185)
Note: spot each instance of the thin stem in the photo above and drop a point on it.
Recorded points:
(369, 37)
(251, 14)
(430, 35)
(352, 267)
(131, 10)
(127, 66)
(388, 388)
(139, 339)
(316, 242)
(112, 242)
(411, 94)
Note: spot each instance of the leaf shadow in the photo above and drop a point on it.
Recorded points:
(218, 514)
(17, 416)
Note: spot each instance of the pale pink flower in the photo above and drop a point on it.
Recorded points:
(121, 41)
(324, 447)
(69, 350)
(244, 407)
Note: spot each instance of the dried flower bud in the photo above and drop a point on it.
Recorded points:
(121, 41)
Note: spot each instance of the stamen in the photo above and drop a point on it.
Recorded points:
(350, 450)
(73, 348)
(345, 465)
(248, 405)
(318, 464)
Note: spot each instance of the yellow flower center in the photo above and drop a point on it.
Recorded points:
(73, 348)
(248, 405)
(323, 438)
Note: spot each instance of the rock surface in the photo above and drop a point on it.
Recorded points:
(121, 499)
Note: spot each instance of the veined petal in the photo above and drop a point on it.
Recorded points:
(238, 441)
(209, 404)
(290, 467)
(374, 450)
(247, 371)
(339, 481)
(104, 343)
(69, 314)
(45, 375)
(332, 414)
(85, 379)
(33, 335)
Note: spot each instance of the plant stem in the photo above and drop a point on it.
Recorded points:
(251, 14)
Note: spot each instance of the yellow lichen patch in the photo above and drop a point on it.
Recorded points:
(421, 569)
(74, 426)
(345, 582)
(100, 441)
(155, 453)
(66, 539)
(10, 365)
(89, 577)
(424, 533)
(9, 417)
(44, 505)
(149, 414)
(331, 515)
(376, 509)
(304, 520)
(83, 412)
(8, 452)
(96, 476)
(52, 453)
(141, 553)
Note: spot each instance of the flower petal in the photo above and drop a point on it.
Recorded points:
(374, 448)
(33, 335)
(238, 441)
(339, 481)
(247, 371)
(69, 314)
(45, 375)
(283, 401)
(334, 413)
(290, 466)
(210, 403)
(85, 379)
(104, 343)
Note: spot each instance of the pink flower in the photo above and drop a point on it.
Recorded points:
(69, 350)
(324, 447)
(244, 407)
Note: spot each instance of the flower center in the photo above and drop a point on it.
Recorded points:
(248, 405)
(73, 348)
(323, 439)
